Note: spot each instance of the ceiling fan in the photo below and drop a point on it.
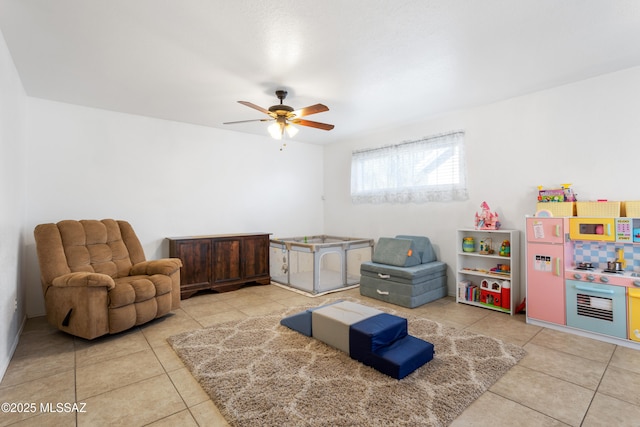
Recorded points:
(283, 117)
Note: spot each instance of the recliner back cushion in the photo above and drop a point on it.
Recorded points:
(95, 246)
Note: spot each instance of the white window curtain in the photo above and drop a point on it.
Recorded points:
(431, 169)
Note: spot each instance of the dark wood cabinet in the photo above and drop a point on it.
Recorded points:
(222, 262)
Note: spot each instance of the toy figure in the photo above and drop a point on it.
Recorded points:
(505, 248)
(487, 220)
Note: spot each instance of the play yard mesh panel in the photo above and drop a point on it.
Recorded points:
(314, 268)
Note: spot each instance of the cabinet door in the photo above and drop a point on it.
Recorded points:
(196, 261)
(547, 230)
(545, 283)
(255, 254)
(227, 261)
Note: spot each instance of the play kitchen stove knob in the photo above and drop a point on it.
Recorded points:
(604, 279)
(590, 277)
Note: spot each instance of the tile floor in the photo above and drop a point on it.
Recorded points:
(135, 378)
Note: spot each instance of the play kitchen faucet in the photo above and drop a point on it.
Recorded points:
(619, 264)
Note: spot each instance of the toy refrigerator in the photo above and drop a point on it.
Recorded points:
(547, 250)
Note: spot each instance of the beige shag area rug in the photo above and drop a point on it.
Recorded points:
(259, 373)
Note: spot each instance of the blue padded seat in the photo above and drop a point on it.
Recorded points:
(383, 343)
(403, 356)
(369, 335)
(301, 322)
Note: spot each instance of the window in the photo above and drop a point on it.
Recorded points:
(427, 170)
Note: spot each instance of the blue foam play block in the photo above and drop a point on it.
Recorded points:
(301, 322)
(402, 357)
(369, 335)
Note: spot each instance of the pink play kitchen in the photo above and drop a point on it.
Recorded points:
(583, 273)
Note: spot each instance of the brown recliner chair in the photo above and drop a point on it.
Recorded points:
(96, 280)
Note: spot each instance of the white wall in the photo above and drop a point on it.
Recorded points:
(12, 205)
(165, 178)
(586, 133)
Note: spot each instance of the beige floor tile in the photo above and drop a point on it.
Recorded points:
(574, 344)
(42, 341)
(103, 349)
(44, 362)
(621, 384)
(551, 396)
(56, 388)
(461, 314)
(208, 415)
(246, 300)
(188, 387)
(38, 324)
(626, 358)
(262, 309)
(608, 411)
(511, 329)
(294, 299)
(134, 405)
(567, 367)
(48, 419)
(491, 410)
(157, 331)
(206, 308)
(181, 419)
(272, 292)
(167, 357)
(99, 378)
(217, 318)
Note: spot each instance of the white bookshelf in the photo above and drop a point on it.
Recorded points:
(476, 283)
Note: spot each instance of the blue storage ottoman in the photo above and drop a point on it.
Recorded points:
(395, 277)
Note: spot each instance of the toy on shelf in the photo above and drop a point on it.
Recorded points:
(501, 269)
(505, 248)
(485, 246)
(487, 220)
(563, 194)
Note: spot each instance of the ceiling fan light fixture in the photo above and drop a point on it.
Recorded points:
(291, 130)
(283, 116)
(275, 130)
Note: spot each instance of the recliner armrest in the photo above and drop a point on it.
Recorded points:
(165, 266)
(84, 279)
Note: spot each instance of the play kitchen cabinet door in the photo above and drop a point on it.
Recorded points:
(634, 313)
(487, 279)
(546, 254)
(221, 262)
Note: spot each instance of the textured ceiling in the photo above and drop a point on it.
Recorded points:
(374, 63)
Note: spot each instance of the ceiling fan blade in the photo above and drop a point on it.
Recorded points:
(256, 107)
(312, 124)
(312, 109)
(247, 121)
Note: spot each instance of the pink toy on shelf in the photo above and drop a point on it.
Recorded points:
(487, 220)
